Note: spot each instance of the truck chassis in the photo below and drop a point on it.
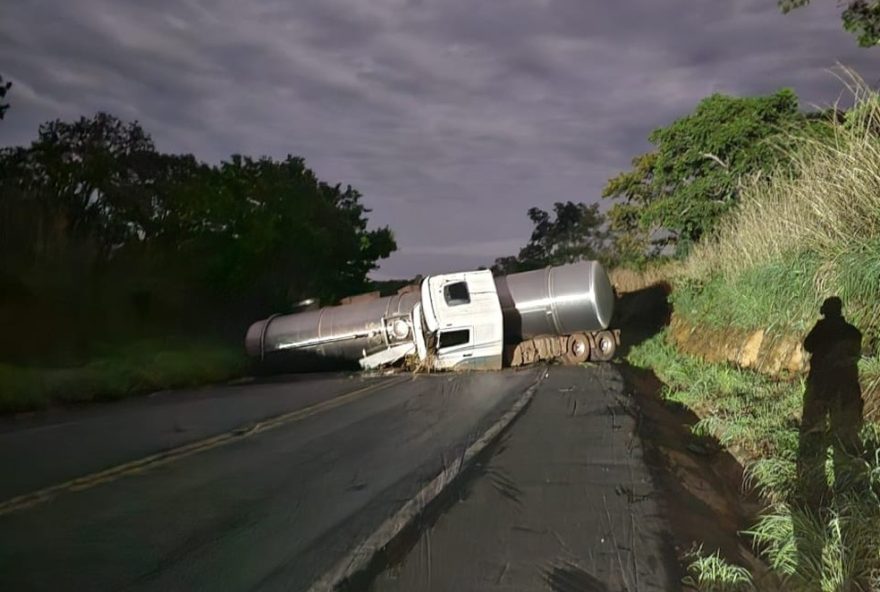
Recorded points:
(596, 346)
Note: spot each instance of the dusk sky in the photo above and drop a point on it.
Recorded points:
(452, 117)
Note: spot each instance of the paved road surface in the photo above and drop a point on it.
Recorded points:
(43, 450)
(565, 504)
(269, 511)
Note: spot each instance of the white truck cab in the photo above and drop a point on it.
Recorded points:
(462, 322)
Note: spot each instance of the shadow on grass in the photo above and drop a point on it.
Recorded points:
(700, 482)
(641, 315)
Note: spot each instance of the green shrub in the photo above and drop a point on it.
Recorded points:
(134, 369)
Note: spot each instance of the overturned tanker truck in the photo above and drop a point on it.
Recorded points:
(456, 321)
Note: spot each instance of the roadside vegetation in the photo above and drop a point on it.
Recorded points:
(712, 573)
(798, 236)
(799, 232)
(757, 418)
(124, 269)
(125, 370)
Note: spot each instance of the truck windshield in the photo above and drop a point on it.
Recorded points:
(456, 293)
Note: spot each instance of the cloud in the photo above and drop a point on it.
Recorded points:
(452, 117)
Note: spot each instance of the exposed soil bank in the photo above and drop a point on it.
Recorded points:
(700, 482)
(774, 355)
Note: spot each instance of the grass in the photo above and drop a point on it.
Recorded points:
(757, 418)
(777, 295)
(798, 237)
(134, 369)
(712, 573)
(838, 552)
(753, 415)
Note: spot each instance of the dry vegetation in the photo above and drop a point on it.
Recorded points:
(801, 237)
(796, 238)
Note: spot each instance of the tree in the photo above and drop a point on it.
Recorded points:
(92, 215)
(861, 18)
(574, 232)
(4, 88)
(691, 177)
(633, 241)
(273, 227)
(88, 181)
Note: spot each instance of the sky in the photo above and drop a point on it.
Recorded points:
(452, 117)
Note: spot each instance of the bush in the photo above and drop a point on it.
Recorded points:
(135, 369)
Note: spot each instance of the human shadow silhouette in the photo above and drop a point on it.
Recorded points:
(832, 416)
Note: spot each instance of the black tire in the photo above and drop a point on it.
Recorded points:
(605, 348)
(577, 349)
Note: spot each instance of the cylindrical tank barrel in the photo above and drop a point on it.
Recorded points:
(556, 300)
(349, 331)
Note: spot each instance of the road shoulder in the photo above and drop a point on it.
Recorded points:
(566, 502)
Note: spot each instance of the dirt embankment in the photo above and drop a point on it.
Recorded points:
(643, 304)
(643, 311)
(701, 482)
(780, 356)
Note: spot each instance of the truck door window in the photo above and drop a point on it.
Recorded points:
(453, 338)
(456, 293)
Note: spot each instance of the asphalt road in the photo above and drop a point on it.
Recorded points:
(564, 503)
(40, 450)
(267, 509)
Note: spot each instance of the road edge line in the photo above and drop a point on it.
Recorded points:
(46, 494)
(359, 558)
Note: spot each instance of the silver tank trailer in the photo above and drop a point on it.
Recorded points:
(349, 331)
(555, 300)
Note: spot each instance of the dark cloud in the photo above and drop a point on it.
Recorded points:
(453, 117)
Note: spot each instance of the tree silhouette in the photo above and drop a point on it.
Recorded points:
(861, 18)
(4, 88)
(95, 220)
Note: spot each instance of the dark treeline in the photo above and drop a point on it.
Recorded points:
(105, 239)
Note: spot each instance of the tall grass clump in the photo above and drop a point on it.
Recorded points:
(712, 573)
(802, 233)
(837, 552)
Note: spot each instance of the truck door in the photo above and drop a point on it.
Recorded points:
(463, 311)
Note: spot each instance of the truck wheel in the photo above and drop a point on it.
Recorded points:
(578, 349)
(605, 346)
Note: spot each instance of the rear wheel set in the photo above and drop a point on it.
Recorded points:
(577, 349)
(597, 347)
(605, 347)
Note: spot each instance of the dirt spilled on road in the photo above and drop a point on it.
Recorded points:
(701, 484)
